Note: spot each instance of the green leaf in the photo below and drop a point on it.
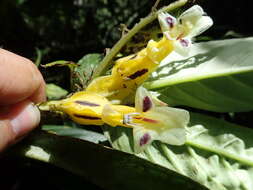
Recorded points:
(55, 92)
(80, 72)
(83, 73)
(217, 154)
(216, 76)
(75, 132)
(108, 168)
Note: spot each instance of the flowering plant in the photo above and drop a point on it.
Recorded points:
(150, 119)
(152, 103)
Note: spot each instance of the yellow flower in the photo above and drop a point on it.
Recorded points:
(131, 71)
(82, 107)
(189, 24)
(151, 120)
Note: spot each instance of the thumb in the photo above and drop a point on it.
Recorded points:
(19, 120)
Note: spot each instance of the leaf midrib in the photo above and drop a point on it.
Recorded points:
(220, 152)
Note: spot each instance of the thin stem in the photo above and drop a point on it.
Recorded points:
(155, 5)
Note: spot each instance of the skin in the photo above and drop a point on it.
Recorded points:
(21, 85)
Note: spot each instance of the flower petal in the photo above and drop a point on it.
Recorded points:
(167, 117)
(175, 117)
(158, 102)
(167, 21)
(142, 138)
(194, 21)
(191, 15)
(201, 26)
(143, 100)
(175, 136)
(182, 46)
(165, 124)
(161, 123)
(110, 116)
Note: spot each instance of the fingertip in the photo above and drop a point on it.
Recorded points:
(21, 119)
(20, 79)
(40, 94)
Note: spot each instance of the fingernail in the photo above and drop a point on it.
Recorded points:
(26, 120)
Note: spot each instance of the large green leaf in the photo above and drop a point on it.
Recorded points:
(75, 132)
(217, 154)
(216, 76)
(108, 168)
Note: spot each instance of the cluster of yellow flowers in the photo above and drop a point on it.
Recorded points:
(150, 119)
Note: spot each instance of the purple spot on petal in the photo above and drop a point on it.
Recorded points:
(147, 104)
(87, 117)
(138, 74)
(184, 42)
(145, 139)
(170, 22)
(149, 120)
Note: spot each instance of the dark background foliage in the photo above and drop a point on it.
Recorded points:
(67, 30)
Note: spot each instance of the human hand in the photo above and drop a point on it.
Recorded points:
(21, 85)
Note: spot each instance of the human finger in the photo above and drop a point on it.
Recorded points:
(20, 119)
(19, 79)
